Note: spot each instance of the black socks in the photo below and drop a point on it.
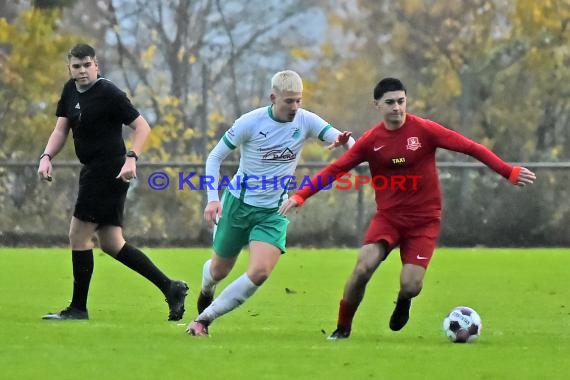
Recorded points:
(82, 270)
(140, 263)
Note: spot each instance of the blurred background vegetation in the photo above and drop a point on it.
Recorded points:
(497, 71)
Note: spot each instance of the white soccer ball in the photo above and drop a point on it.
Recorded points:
(462, 325)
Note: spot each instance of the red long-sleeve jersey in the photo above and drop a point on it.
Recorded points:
(402, 164)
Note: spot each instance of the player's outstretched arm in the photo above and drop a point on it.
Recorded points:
(521, 176)
(342, 139)
(294, 201)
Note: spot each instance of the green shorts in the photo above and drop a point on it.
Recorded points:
(241, 223)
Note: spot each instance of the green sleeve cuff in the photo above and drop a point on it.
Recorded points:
(322, 134)
(228, 143)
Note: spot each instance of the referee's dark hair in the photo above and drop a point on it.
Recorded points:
(81, 51)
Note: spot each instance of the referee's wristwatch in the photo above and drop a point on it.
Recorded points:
(45, 155)
(131, 153)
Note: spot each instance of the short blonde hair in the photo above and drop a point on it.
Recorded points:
(287, 80)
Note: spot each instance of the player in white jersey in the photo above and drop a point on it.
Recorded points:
(271, 140)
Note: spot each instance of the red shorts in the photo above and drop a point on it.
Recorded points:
(415, 234)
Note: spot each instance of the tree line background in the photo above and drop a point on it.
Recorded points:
(495, 70)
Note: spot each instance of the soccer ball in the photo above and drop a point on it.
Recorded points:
(462, 325)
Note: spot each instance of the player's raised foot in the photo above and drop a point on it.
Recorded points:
(69, 313)
(175, 299)
(401, 314)
(203, 302)
(198, 328)
(339, 333)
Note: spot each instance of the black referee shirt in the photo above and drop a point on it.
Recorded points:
(96, 118)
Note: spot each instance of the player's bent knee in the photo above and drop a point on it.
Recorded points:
(80, 244)
(110, 249)
(258, 277)
(363, 272)
(218, 273)
(411, 289)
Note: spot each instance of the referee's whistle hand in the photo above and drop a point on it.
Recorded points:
(126, 175)
(44, 171)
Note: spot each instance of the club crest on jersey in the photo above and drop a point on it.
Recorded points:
(296, 133)
(413, 143)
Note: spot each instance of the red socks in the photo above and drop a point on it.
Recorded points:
(346, 313)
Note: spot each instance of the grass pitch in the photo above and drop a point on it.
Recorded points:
(522, 296)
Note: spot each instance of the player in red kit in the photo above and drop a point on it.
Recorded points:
(408, 211)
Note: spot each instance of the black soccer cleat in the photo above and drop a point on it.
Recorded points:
(69, 313)
(175, 299)
(339, 333)
(401, 314)
(203, 302)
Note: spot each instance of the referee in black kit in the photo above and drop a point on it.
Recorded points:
(95, 110)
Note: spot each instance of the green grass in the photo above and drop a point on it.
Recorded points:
(522, 296)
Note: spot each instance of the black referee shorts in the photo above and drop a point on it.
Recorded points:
(101, 197)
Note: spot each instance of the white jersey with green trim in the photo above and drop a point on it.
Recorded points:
(270, 151)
